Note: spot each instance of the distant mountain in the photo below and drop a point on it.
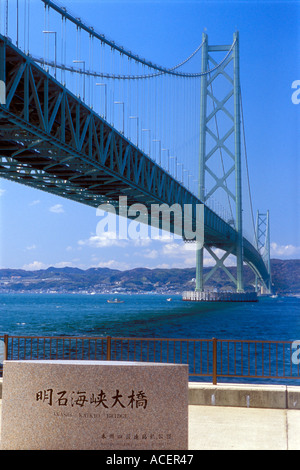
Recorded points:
(285, 277)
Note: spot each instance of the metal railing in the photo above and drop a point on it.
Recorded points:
(207, 358)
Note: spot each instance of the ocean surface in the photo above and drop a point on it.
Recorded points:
(152, 316)
(275, 319)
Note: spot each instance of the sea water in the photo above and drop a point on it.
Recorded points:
(152, 316)
(271, 319)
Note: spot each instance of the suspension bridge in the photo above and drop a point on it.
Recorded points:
(86, 119)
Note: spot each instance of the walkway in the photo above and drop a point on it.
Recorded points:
(233, 428)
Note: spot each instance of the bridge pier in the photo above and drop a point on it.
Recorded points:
(199, 269)
(205, 296)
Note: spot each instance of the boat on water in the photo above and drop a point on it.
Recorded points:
(115, 301)
(169, 299)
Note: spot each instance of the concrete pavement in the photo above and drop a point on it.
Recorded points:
(235, 428)
(244, 417)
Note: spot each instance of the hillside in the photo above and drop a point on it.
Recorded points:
(285, 276)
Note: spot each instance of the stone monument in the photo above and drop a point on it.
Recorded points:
(94, 405)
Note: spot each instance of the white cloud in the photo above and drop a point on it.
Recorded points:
(284, 250)
(173, 249)
(151, 254)
(57, 209)
(35, 266)
(162, 266)
(64, 264)
(140, 242)
(113, 264)
(106, 239)
(31, 247)
(34, 203)
(2, 191)
(184, 254)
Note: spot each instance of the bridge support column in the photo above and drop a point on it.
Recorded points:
(212, 142)
(262, 233)
(202, 153)
(199, 269)
(238, 171)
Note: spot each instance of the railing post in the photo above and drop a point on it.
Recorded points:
(5, 356)
(214, 361)
(108, 354)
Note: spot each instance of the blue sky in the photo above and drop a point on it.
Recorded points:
(39, 230)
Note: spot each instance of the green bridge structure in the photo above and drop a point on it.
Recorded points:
(99, 131)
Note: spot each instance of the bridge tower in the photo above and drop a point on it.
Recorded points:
(262, 235)
(227, 143)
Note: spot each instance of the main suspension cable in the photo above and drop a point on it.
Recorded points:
(172, 71)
